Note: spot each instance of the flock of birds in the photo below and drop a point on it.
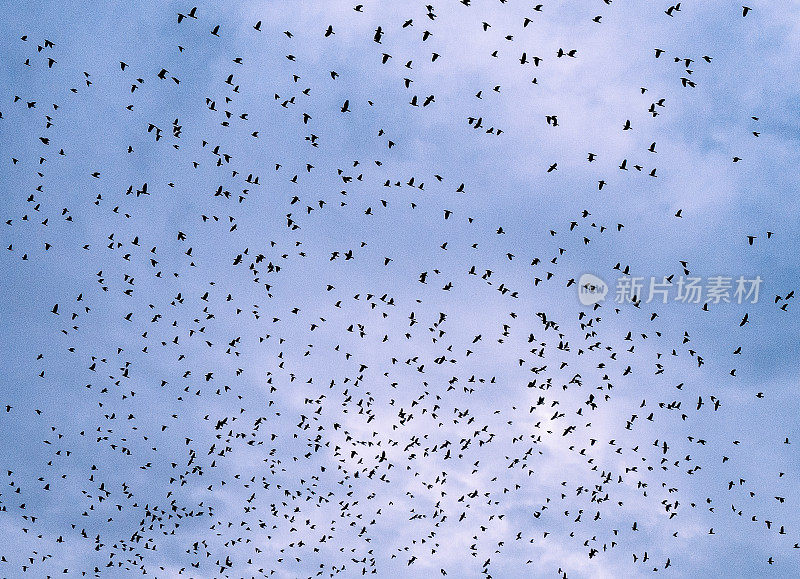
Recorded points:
(268, 342)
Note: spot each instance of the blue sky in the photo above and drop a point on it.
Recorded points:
(355, 403)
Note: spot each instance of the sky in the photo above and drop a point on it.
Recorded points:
(373, 359)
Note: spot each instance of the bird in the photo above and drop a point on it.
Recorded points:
(390, 341)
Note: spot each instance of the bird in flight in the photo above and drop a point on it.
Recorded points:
(340, 290)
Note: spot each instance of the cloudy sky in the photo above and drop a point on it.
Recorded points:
(338, 332)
